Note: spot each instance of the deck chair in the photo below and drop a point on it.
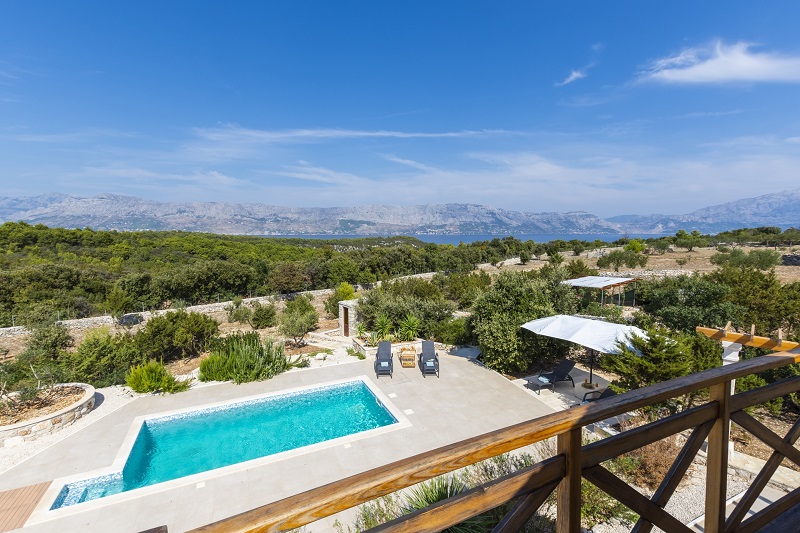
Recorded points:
(383, 359)
(428, 359)
(560, 372)
(597, 395)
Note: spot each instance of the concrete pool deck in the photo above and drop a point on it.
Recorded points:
(467, 400)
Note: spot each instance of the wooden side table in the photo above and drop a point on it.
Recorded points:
(408, 357)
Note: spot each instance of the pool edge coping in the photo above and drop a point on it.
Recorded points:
(43, 513)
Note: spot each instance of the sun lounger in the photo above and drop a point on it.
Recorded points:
(560, 373)
(597, 395)
(383, 359)
(428, 359)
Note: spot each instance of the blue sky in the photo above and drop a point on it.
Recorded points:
(607, 107)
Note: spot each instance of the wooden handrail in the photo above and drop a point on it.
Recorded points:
(296, 511)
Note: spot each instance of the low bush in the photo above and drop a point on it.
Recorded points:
(242, 358)
(453, 332)
(263, 316)
(344, 291)
(176, 334)
(238, 312)
(152, 377)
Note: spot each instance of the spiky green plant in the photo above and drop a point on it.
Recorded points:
(361, 330)
(242, 357)
(409, 328)
(383, 326)
(438, 489)
(152, 377)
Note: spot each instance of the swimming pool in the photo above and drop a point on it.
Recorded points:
(177, 445)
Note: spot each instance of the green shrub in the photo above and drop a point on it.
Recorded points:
(242, 357)
(176, 334)
(263, 316)
(103, 359)
(344, 291)
(152, 377)
(238, 312)
(409, 328)
(452, 332)
(298, 319)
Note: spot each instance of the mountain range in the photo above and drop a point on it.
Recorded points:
(111, 211)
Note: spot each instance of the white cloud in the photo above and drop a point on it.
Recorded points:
(232, 133)
(723, 63)
(308, 172)
(574, 75)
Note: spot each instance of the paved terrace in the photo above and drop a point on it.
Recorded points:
(467, 400)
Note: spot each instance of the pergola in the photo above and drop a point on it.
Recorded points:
(604, 283)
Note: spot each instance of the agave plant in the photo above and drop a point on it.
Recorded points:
(373, 339)
(361, 330)
(383, 326)
(409, 328)
(438, 489)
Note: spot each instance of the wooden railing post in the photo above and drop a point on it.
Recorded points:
(568, 517)
(717, 460)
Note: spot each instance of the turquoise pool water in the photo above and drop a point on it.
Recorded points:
(175, 446)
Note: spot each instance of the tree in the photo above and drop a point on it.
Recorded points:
(515, 298)
(299, 317)
(344, 291)
(578, 269)
(659, 357)
(617, 258)
(759, 259)
(636, 246)
(685, 302)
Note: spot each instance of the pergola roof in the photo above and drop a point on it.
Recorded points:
(598, 282)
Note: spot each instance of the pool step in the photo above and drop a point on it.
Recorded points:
(16, 505)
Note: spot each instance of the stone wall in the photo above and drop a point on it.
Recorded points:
(28, 430)
(138, 318)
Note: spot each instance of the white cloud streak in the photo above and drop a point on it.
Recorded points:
(237, 134)
(574, 75)
(722, 63)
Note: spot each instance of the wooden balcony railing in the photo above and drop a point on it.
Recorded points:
(531, 486)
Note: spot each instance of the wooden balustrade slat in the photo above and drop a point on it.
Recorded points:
(523, 510)
(754, 490)
(768, 514)
(765, 435)
(632, 439)
(717, 460)
(301, 509)
(568, 515)
(765, 393)
(676, 472)
(478, 500)
(629, 497)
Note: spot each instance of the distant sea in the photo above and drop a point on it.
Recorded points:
(466, 239)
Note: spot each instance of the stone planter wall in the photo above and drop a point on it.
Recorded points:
(28, 430)
(371, 351)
